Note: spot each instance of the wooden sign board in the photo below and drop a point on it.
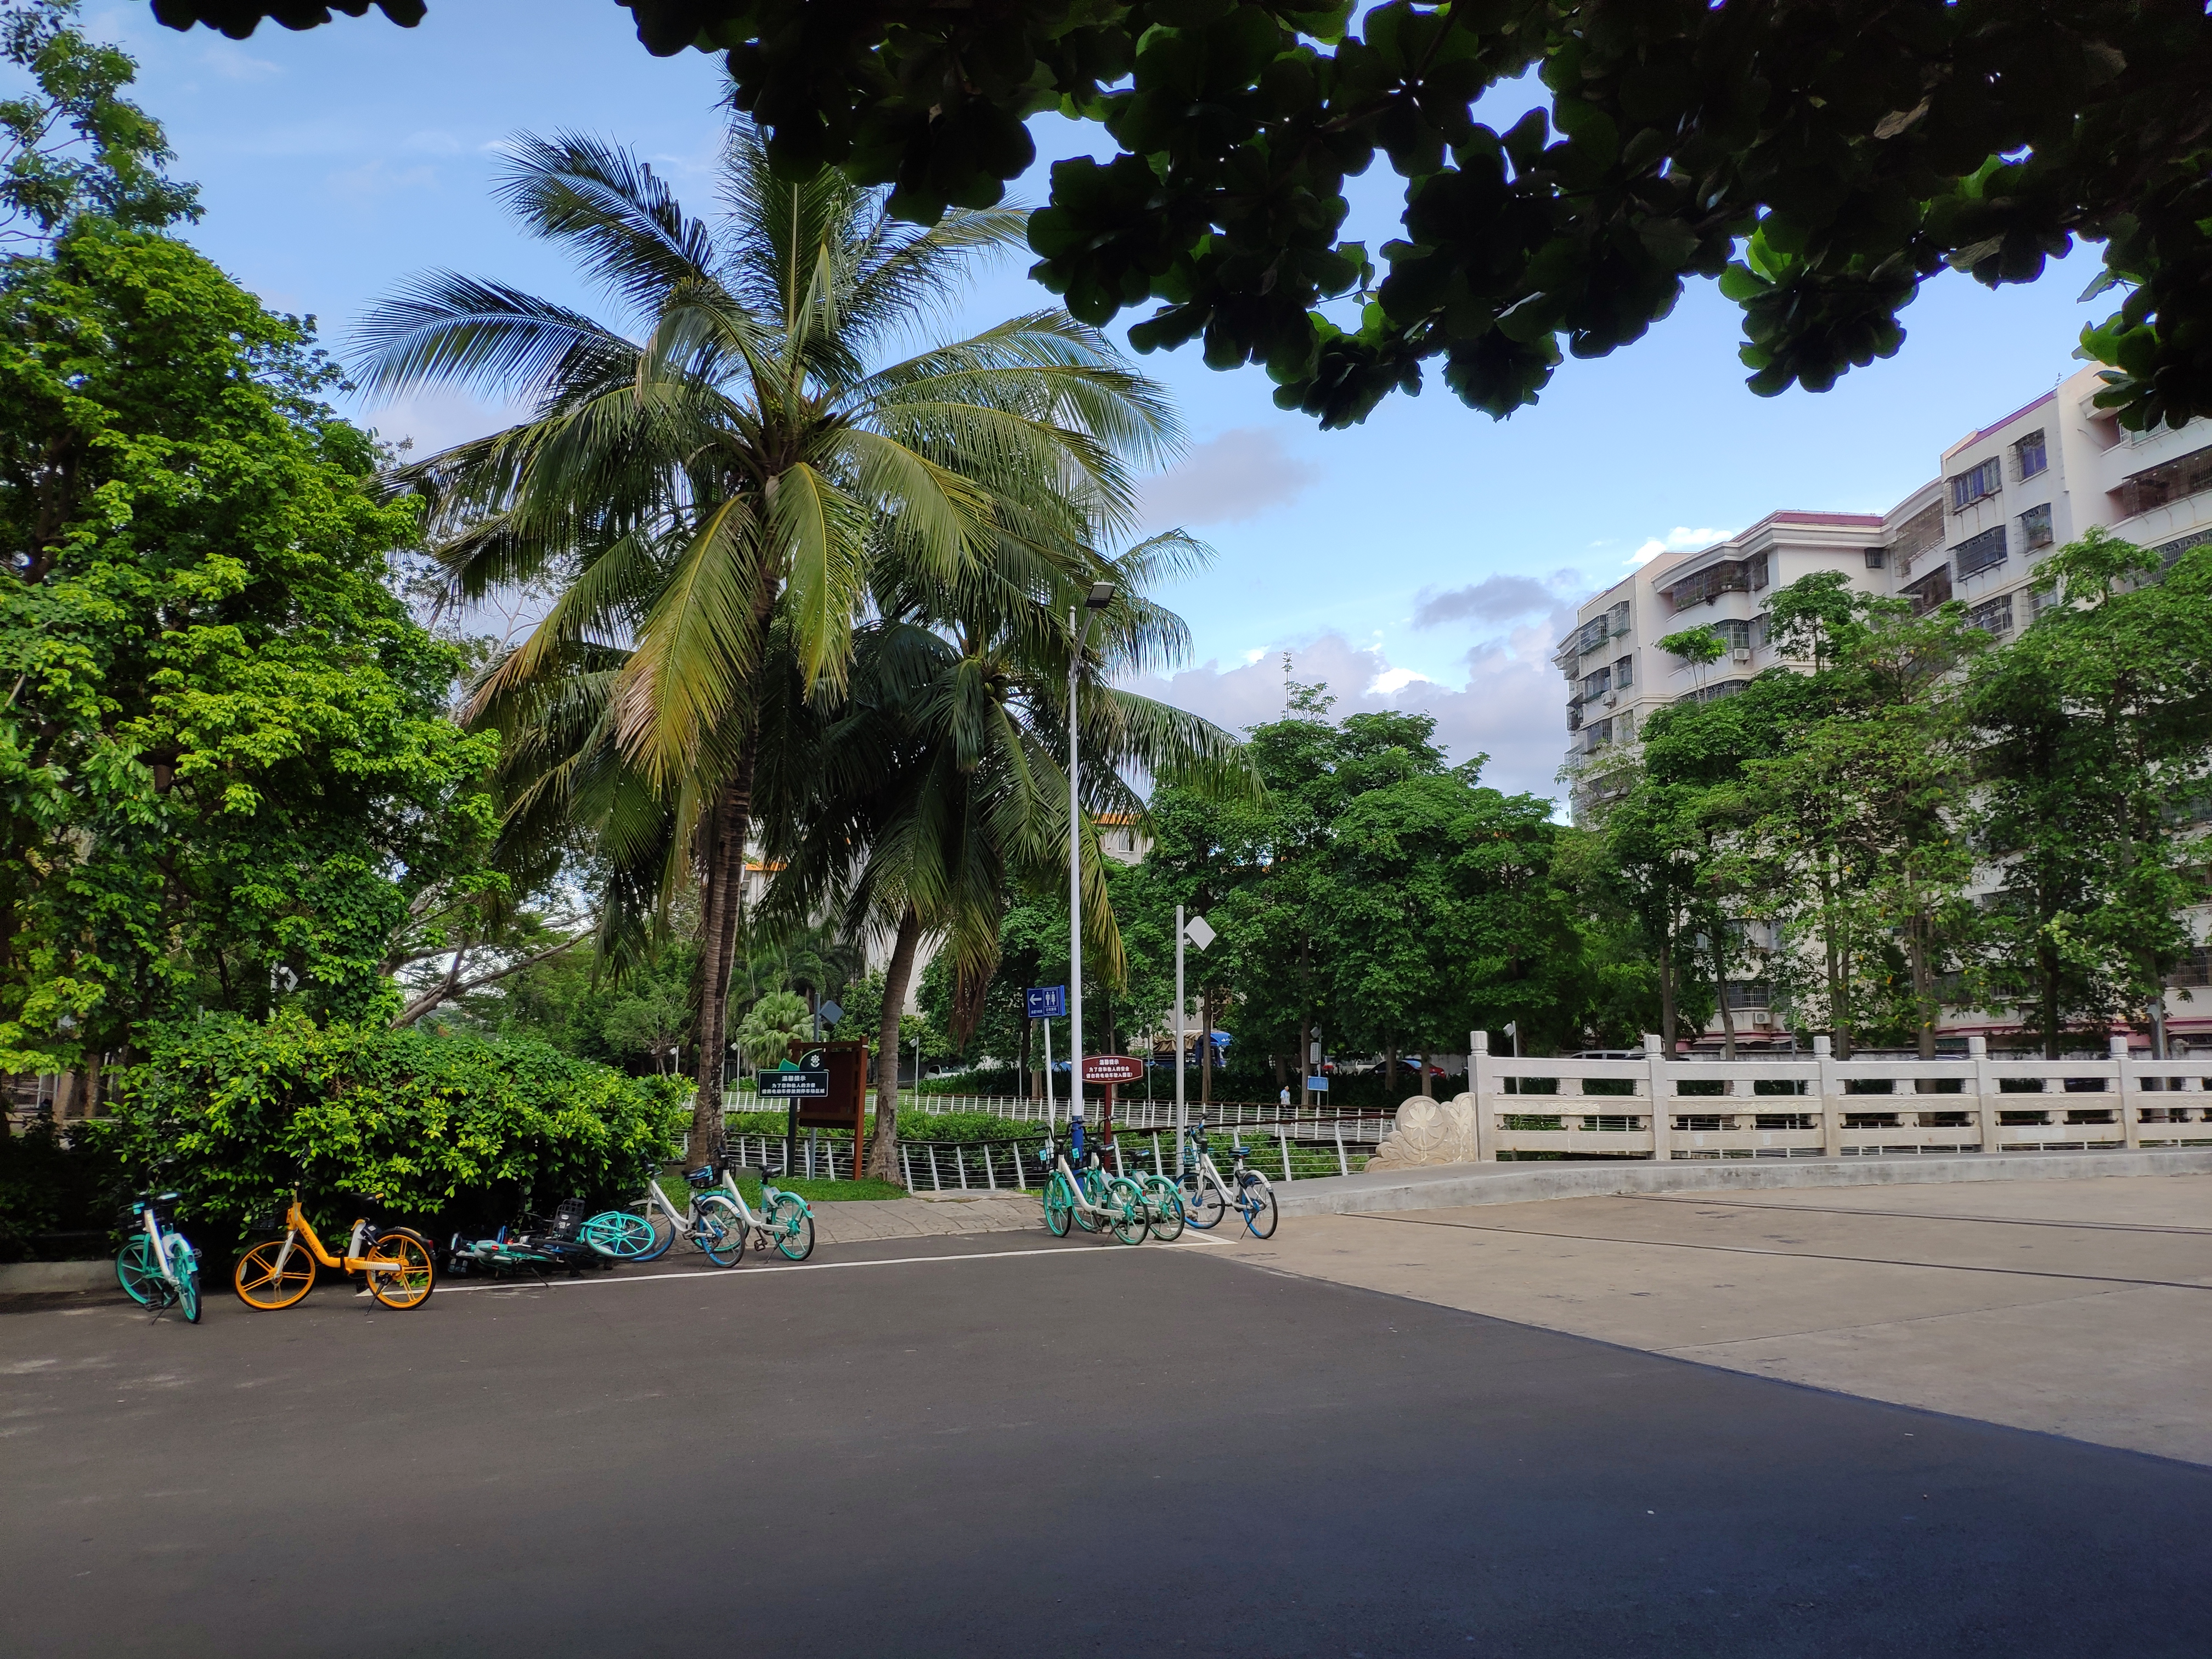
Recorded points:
(846, 1105)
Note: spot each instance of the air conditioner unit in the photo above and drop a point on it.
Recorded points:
(1761, 1017)
(1613, 700)
(1742, 654)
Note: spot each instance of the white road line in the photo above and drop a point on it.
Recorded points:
(740, 1274)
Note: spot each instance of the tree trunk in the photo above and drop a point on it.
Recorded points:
(723, 901)
(882, 1145)
(1667, 993)
(1720, 980)
(1389, 1069)
(1923, 987)
(2046, 961)
(1305, 1059)
(1029, 1026)
(1428, 1087)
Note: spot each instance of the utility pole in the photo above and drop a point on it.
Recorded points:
(1101, 596)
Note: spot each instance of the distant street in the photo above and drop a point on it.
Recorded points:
(1010, 1447)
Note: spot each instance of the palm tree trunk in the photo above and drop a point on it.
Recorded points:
(882, 1145)
(723, 901)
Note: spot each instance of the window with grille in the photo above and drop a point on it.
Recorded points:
(1594, 635)
(1931, 590)
(1979, 553)
(2035, 526)
(1992, 617)
(1918, 533)
(2029, 456)
(1741, 995)
(1875, 558)
(2172, 482)
(1623, 673)
(1597, 685)
(1977, 483)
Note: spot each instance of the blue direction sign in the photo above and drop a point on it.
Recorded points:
(1047, 1001)
(1318, 1083)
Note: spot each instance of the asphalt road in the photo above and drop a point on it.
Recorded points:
(1072, 1449)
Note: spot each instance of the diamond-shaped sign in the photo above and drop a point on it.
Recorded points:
(1196, 931)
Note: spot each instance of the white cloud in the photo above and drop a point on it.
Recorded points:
(376, 178)
(438, 417)
(1682, 538)
(1511, 707)
(233, 62)
(1243, 473)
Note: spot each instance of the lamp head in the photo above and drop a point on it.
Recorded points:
(1102, 595)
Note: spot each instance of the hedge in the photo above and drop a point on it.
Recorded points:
(430, 1127)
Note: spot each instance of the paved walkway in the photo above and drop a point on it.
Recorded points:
(926, 1218)
(2077, 1308)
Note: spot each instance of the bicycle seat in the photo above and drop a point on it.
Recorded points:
(167, 1198)
(703, 1176)
(1240, 1152)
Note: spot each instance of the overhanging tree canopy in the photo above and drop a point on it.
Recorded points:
(1822, 158)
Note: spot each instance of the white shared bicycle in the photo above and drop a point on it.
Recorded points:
(1207, 1195)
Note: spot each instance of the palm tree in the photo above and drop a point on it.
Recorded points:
(941, 784)
(712, 493)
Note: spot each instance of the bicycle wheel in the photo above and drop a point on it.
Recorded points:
(1126, 1205)
(1257, 1204)
(721, 1232)
(140, 1274)
(261, 1283)
(1165, 1204)
(1059, 1204)
(400, 1272)
(663, 1235)
(186, 1267)
(618, 1233)
(1202, 1205)
(792, 1225)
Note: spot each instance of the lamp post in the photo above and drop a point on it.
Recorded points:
(1101, 596)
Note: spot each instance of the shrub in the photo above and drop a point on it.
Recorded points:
(46, 1187)
(429, 1126)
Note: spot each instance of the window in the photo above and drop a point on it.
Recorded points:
(1594, 635)
(1876, 558)
(1624, 727)
(1992, 617)
(1598, 734)
(1735, 634)
(1930, 591)
(1617, 619)
(1597, 685)
(1918, 533)
(1704, 586)
(2157, 485)
(1741, 995)
(1977, 483)
(2035, 526)
(1759, 577)
(1984, 552)
(2029, 457)
(1623, 673)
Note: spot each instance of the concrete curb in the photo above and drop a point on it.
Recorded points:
(37, 1278)
(1456, 1185)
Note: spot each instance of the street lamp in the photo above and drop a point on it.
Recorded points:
(1101, 596)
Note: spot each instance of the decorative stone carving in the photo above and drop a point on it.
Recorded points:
(1428, 1132)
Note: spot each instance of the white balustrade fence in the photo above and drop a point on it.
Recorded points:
(1809, 1107)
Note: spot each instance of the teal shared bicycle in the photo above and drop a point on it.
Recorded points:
(1163, 1206)
(1092, 1199)
(157, 1267)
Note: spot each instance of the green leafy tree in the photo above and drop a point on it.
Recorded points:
(778, 1021)
(71, 144)
(716, 487)
(2094, 735)
(226, 757)
(1850, 149)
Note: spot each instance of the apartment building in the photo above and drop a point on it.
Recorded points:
(2002, 498)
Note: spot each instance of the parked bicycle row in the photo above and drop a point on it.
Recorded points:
(158, 1268)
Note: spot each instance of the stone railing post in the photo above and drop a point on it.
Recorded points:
(2126, 1089)
(1832, 1099)
(1483, 1087)
(1985, 1092)
(1662, 1097)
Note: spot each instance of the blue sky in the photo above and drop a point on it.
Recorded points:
(1422, 561)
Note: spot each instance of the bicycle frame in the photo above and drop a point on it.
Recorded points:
(297, 1227)
(685, 1220)
(160, 1240)
(1205, 1170)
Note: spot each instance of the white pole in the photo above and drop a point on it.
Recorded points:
(1074, 886)
(1051, 1117)
(1179, 1106)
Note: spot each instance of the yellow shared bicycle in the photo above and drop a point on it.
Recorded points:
(396, 1261)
